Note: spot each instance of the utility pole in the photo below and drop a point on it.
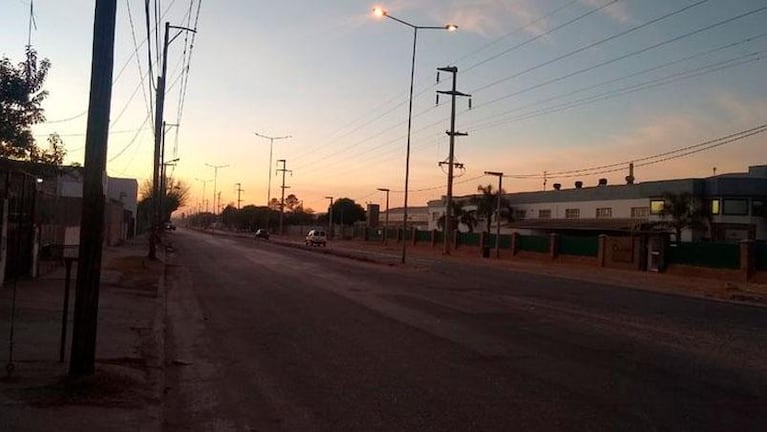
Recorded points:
(386, 223)
(204, 182)
(283, 187)
(215, 180)
(497, 212)
(219, 202)
(451, 158)
(83, 356)
(330, 217)
(239, 190)
(159, 133)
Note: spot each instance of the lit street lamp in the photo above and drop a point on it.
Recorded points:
(379, 12)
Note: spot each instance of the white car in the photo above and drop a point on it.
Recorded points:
(316, 238)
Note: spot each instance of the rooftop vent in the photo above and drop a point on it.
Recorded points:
(578, 184)
(557, 186)
(603, 182)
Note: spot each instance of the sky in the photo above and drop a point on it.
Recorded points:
(558, 87)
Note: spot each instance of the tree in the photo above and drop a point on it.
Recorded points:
(21, 97)
(274, 204)
(292, 202)
(487, 204)
(230, 216)
(346, 211)
(176, 196)
(459, 216)
(682, 210)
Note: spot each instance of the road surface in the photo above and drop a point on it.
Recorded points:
(263, 337)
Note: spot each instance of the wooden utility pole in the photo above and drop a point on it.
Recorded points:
(451, 158)
(92, 221)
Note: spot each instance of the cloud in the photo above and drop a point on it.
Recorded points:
(490, 18)
(618, 11)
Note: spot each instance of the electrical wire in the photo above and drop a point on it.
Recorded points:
(593, 45)
(538, 36)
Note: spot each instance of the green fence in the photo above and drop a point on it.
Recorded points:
(423, 236)
(375, 234)
(533, 243)
(715, 255)
(760, 249)
(505, 241)
(469, 239)
(580, 246)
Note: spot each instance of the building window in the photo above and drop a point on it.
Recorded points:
(519, 214)
(544, 214)
(640, 212)
(605, 212)
(435, 216)
(713, 206)
(758, 209)
(572, 213)
(735, 207)
(656, 206)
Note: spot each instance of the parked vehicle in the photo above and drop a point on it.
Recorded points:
(316, 238)
(169, 226)
(262, 233)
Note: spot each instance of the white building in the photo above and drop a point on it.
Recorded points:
(734, 203)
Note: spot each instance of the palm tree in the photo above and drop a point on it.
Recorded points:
(487, 204)
(683, 211)
(459, 215)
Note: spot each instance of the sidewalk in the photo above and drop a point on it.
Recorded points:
(125, 394)
(713, 289)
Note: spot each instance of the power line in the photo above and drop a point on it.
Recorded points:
(429, 87)
(546, 33)
(594, 44)
(739, 61)
(627, 55)
(147, 102)
(652, 159)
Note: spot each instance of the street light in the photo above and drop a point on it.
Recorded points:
(269, 170)
(330, 217)
(215, 180)
(498, 213)
(386, 223)
(380, 12)
(204, 182)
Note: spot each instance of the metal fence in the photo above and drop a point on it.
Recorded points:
(579, 246)
(715, 255)
(469, 239)
(760, 250)
(533, 243)
(504, 244)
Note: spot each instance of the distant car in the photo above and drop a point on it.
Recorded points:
(169, 226)
(316, 238)
(262, 233)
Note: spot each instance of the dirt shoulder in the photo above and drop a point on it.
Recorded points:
(125, 393)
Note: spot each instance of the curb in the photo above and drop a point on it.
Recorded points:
(368, 259)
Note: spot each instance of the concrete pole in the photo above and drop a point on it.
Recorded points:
(92, 222)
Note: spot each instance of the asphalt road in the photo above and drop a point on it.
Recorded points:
(263, 337)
